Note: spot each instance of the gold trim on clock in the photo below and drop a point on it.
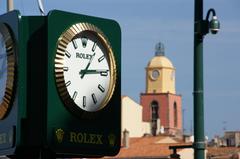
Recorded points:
(5, 105)
(62, 43)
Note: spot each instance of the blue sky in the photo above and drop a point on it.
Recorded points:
(146, 22)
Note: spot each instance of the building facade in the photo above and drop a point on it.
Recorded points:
(131, 119)
(232, 138)
(160, 101)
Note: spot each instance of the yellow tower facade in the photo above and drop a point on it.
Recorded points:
(160, 73)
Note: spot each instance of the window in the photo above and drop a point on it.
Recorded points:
(154, 108)
(175, 114)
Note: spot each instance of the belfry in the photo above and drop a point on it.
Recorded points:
(161, 105)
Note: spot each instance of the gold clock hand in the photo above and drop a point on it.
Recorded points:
(90, 61)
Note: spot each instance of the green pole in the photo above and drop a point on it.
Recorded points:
(199, 137)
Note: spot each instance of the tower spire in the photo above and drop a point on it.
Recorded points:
(159, 49)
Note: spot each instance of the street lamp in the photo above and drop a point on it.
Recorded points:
(201, 28)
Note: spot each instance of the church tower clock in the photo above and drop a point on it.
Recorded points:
(160, 73)
(160, 101)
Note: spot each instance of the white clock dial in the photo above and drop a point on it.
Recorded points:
(86, 68)
(86, 72)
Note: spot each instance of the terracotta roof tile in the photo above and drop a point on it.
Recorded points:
(146, 147)
(221, 151)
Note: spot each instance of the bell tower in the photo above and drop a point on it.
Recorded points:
(160, 101)
(160, 73)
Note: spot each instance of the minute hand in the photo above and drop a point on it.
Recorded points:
(100, 71)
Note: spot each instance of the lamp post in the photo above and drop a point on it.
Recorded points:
(201, 28)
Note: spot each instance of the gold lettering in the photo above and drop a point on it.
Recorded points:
(73, 136)
(80, 138)
(3, 138)
(99, 139)
(86, 138)
(92, 137)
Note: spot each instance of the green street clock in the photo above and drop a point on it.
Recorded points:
(85, 68)
(84, 85)
(60, 85)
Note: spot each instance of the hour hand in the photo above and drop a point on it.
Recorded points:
(102, 72)
(90, 61)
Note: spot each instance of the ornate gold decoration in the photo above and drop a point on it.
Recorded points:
(59, 135)
(111, 139)
(62, 43)
(5, 105)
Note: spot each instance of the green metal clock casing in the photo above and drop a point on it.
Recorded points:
(22, 115)
(37, 116)
(9, 91)
(83, 107)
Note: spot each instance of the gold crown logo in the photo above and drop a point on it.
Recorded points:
(84, 41)
(59, 135)
(111, 139)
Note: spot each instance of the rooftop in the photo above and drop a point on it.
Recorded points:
(160, 62)
(223, 152)
(149, 147)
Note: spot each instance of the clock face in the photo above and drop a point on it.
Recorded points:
(88, 69)
(155, 74)
(7, 69)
